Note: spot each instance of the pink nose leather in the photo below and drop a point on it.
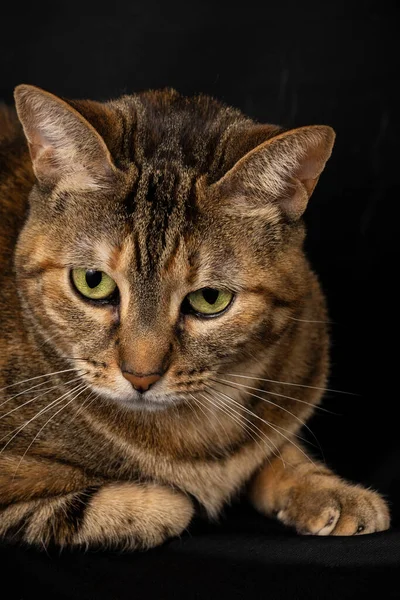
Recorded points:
(141, 383)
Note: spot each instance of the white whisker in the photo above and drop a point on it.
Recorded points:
(220, 422)
(249, 387)
(37, 377)
(192, 409)
(233, 384)
(200, 404)
(24, 392)
(282, 408)
(19, 429)
(260, 418)
(86, 403)
(48, 421)
(310, 387)
(36, 397)
(247, 410)
(311, 321)
(224, 409)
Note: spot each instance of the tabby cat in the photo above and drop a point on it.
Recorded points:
(163, 337)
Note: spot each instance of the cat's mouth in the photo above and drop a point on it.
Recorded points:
(145, 401)
(122, 392)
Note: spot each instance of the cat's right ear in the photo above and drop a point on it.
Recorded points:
(62, 143)
(282, 172)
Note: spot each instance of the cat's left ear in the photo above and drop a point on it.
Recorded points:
(283, 171)
(62, 143)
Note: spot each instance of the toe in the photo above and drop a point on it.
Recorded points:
(330, 524)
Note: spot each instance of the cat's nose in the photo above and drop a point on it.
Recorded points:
(141, 383)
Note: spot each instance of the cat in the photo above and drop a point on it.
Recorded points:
(163, 337)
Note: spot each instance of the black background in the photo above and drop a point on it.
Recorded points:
(291, 63)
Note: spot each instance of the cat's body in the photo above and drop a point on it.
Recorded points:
(166, 195)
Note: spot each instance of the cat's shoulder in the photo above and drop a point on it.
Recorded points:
(10, 127)
(15, 164)
(16, 175)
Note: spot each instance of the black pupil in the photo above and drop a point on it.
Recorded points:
(93, 278)
(210, 295)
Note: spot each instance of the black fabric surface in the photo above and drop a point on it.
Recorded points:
(291, 63)
(246, 556)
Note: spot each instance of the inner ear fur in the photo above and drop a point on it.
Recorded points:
(61, 141)
(283, 170)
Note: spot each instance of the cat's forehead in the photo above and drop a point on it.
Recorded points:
(159, 229)
(150, 255)
(161, 213)
(159, 127)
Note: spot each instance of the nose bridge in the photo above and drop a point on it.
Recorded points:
(145, 346)
(146, 354)
(146, 336)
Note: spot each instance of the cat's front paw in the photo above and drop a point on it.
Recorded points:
(329, 506)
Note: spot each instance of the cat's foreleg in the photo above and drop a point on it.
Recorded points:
(115, 515)
(308, 496)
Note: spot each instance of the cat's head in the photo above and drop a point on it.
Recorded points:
(164, 239)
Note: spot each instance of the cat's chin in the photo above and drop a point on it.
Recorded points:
(147, 402)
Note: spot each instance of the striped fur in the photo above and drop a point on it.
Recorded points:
(167, 195)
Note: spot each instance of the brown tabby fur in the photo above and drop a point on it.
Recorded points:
(167, 195)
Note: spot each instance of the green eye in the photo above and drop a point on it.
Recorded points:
(209, 301)
(92, 284)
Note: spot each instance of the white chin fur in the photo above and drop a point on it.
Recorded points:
(134, 401)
